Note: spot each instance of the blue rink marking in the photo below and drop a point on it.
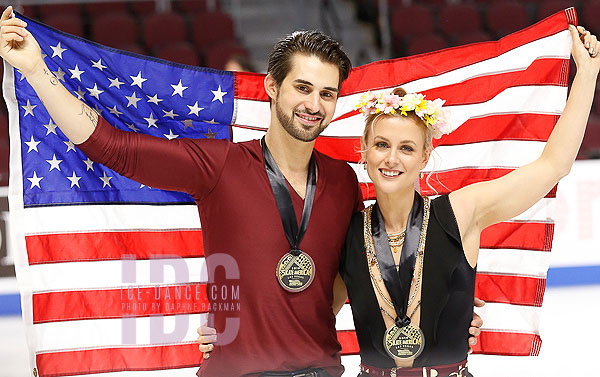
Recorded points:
(572, 276)
(10, 304)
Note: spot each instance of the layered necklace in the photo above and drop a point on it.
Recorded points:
(396, 240)
(403, 340)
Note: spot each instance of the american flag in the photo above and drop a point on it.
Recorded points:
(76, 224)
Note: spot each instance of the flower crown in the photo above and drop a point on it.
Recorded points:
(431, 112)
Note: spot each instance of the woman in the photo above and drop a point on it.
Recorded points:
(405, 245)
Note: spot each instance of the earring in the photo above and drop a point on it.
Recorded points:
(421, 175)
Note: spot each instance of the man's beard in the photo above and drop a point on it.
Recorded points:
(298, 132)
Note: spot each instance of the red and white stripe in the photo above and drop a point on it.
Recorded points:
(73, 254)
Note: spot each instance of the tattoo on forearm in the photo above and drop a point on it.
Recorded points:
(89, 113)
(53, 79)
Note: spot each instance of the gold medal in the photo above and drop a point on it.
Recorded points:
(295, 273)
(404, 343)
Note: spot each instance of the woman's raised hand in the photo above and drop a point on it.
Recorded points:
(586, 49)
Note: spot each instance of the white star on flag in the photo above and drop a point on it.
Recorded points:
(218, 94)
(76, 73)
(95, 92)
(114, 111)
(169, 114)
(88, 164)
(35, 180)
(105, 180)
(54, 163)
(138, 80)
(132, 100)
(154, 99)
(115, 82)
(70, 145)
(50, 128)
(74, 180)
(133, 128)
(32, 144)
(28, 109)
(194, 109)
(57, 51)
(178, 89)
(171, 135)
(151, 121)
(98, 65)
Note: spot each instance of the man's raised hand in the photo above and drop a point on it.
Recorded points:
(17, 46)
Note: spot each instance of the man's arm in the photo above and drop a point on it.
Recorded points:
(187, 165)
(19, 48)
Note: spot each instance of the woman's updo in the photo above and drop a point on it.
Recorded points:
(372, 118)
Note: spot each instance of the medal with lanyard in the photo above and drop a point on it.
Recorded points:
(296, 269)
(403, 340)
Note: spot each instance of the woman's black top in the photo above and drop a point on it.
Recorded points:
(447, 291)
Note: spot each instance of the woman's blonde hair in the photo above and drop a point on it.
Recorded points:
(372, 118)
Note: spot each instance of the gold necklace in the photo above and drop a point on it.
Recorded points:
(396, 240)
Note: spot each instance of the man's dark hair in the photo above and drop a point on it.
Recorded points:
(307, 43)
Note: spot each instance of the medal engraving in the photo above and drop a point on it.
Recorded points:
(403, 343)
(295, 273)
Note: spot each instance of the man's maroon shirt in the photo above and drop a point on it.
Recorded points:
(279, 330)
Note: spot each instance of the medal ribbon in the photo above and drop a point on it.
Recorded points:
(283, 198)
(397, 282)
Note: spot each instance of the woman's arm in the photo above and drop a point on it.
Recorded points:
(482, 204)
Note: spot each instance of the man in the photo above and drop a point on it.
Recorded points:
(244, 193)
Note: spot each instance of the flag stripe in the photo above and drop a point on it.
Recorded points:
(508, 343)
(53, 277)
(118, 359)
(78, 247)
(506, 317)
(117, 303)
(89, 218)
(115, 332)
(517, 262)
(515, 235)
(509, 289)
